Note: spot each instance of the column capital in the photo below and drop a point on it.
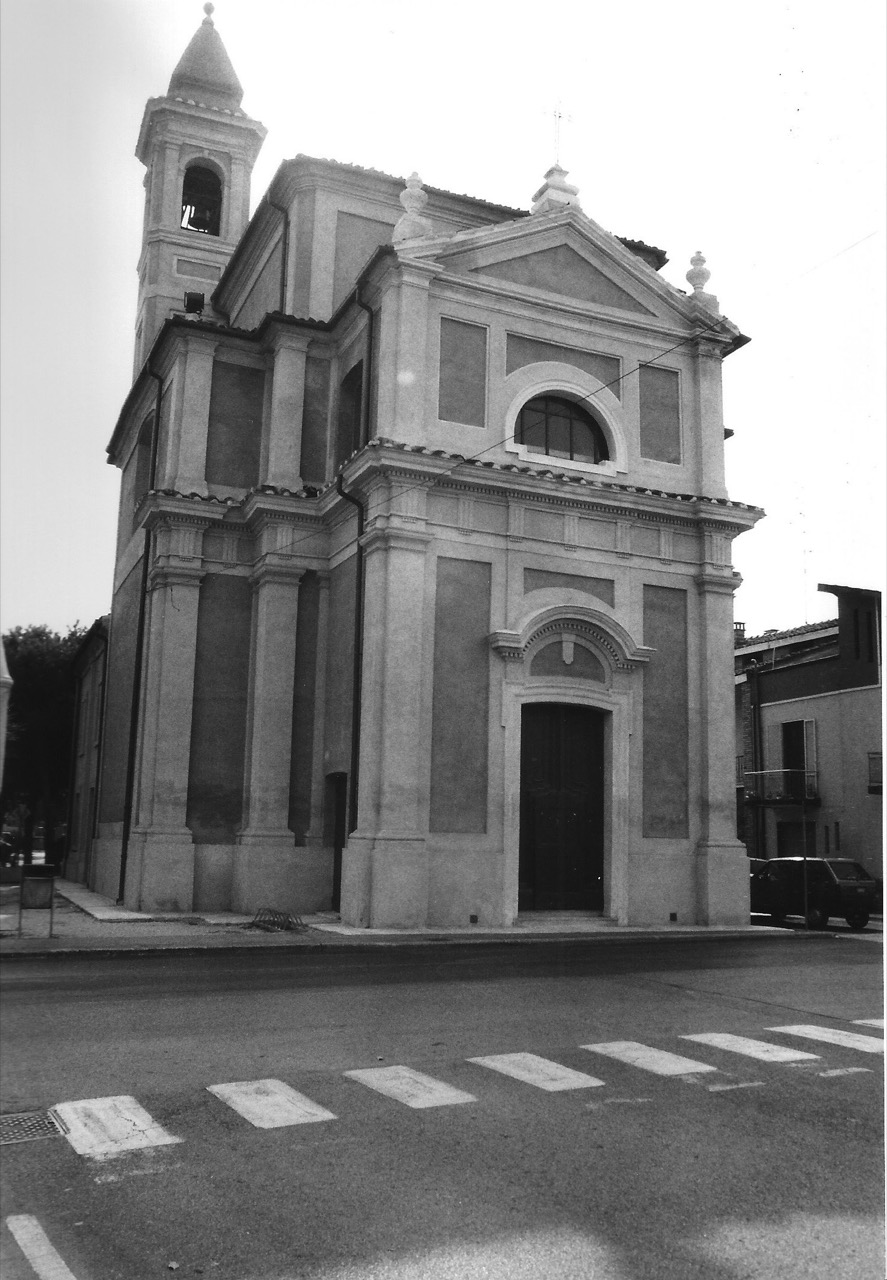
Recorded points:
(284, 338)
(716, 584)
(269, 571)
(166, 575)
(390, 538)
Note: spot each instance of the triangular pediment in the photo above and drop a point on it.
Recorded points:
(568, 256)
(561, 270)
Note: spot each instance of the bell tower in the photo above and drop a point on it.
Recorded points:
(199, 149)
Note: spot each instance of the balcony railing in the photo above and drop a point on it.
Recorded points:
(782, 786)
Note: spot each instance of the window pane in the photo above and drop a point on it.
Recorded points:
(584, 442)
(531, 428)
(560, 428)
(558, 434)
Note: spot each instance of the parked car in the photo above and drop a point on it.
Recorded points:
(835, 887)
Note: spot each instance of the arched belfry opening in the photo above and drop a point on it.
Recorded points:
(202, 200)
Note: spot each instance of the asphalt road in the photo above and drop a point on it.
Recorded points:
(748, 1169)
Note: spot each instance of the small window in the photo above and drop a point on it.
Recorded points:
(876, 772)
(201, 201)
(560, 428)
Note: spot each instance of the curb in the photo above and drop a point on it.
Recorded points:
(412, 944)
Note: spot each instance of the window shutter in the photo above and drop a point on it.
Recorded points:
(810, 761)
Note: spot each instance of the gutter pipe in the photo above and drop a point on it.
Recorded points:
(357, 684)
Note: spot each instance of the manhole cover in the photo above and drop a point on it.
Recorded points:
(28, 1126)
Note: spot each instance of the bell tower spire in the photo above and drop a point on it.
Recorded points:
(199, 149)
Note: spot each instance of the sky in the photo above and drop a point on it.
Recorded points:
(754, 133)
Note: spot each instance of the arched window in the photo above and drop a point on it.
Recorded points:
(560, 428)
(201, 200)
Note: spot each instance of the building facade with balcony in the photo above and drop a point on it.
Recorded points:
(423, 597)
(808, 736)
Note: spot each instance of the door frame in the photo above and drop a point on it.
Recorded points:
(602, 725)
(617, 704)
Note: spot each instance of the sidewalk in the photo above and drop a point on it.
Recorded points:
(86, 922)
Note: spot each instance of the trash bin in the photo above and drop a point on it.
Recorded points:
(37, 893)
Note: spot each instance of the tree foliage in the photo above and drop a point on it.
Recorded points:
(41, 725)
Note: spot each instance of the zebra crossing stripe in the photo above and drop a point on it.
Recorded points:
(655, 1060)
(104, 1127)
(414, 1089)
(758, 1049)
(537, 1071)
(830, 1035)
(269, 1104)
(869, 1022)
(46, 1262)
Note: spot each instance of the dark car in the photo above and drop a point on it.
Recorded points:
(835, 887)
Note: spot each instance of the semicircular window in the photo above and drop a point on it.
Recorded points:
(560, 428)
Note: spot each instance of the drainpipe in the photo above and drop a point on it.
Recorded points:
(138, 661)
(358, 657)
(359, 586)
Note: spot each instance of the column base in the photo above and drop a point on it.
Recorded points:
(104, 873)
(270, 871)
(385, 881)
(160, 871)
(722, 883)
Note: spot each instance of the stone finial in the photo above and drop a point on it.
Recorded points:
(555, 194)
(209, 10)
(411, 225)
(698, 276)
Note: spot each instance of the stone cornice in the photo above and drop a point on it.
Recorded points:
(419, 465)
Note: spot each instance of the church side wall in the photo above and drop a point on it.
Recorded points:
(105, 868)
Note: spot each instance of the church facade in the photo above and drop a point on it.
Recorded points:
(423, 596)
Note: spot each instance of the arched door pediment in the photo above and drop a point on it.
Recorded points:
(570, 621)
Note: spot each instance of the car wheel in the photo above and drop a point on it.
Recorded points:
(857, 919)
(817, 917)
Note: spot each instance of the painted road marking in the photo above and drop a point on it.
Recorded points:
(269, 1104)
(752, 1048)
(655, 1060)
(410, 1087)
(744, 1084)
(829, 1035)
(109, 1126)
(46, 1262)
(869, 1022)
(532, 1069)
(846, 1071)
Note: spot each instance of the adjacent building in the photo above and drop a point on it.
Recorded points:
(808, 736)
(423, 598)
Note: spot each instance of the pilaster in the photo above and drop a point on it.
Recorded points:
(282, 438)
(711, 419)
(385, 869)
(160, 871)
(193, 409)
(721, 860)
(408, 365)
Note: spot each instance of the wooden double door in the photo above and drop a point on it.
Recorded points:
(562, 808)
